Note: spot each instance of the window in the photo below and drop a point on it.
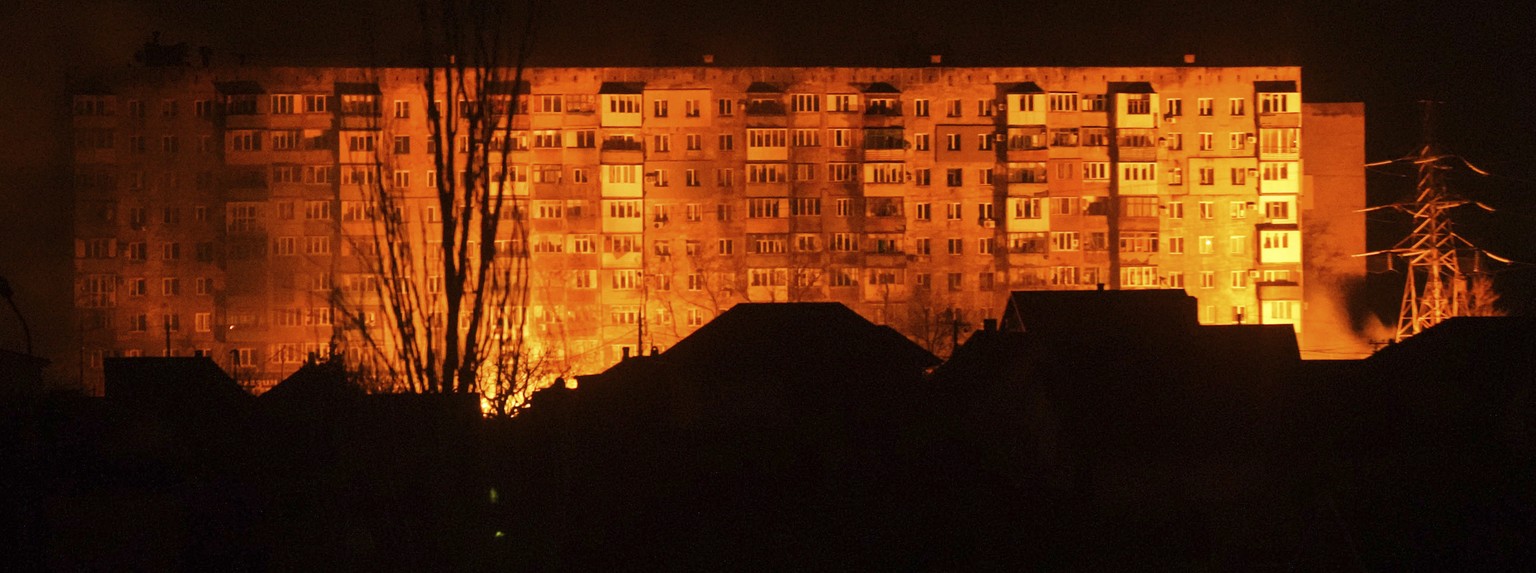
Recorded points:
(806, 138)
(954, 177)
(1276, 172)
(955, 246)
(923, 246)
(1207, 279)
(624, 104)
(725, 107)
(845, 207)
(1207, 141)
(317, 245)
(987, 107)
(1207, 176)
(659, 108)
(285, 246)
(1238, 209)
(1237, 140)
(807, 243)
(759, 208)
(1174, 107)
(1239, 279)
(170, 251)
(924, 211)
(725, 246)
(727, 142)
(1138, 171)
(806, 207)
(920, 107)
(955, 281)
(1175, 245)
(841, 137)
(1065, 241)
(1062, 101)
(803, 103)
(1237, 106)
(1138, 242)
(170, 286)
(952, 142)
(952, 108)
(691, 178)
(1207, 244)
(1092, 102)
(1095, 171)
(845, 242)
(695, 142)
(767, 173)
(1237, 244)
(842, 103)
(1277, 209)
(691, 108)
(953, 211)
(805, 172)
(766, 138)
(922, 177)
(766, 244)
(1138, 206)
(1138, 104)
(843, 172)
(1206, 106)
(1176, 176)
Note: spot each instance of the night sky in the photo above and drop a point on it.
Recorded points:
(1470, 55)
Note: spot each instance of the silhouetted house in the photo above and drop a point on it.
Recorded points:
(769, 360)
(776, 435)
(1102, 427)
(172, 384)
(20, 373)
(1435, 442)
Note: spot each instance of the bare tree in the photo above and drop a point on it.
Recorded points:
(453, 283)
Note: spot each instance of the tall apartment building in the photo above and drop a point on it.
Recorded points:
(217, 207)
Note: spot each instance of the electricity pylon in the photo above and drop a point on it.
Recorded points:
(1435, 289)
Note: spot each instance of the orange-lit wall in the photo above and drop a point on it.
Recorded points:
(899, 266)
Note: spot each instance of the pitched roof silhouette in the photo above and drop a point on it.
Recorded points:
(173, 379)
(780, 335)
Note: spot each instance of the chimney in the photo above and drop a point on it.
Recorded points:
(625, 352)
(1189, 59)
(709, 59)
(1101, 287)
(935, 59)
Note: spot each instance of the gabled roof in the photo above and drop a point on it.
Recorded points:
(1270, 87)
(314, 382)
(1070, 312)
(768, 334)
(881, 88)
(625, 88)
(182, 381)
(1025, 88)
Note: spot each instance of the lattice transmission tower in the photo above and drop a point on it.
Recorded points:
(1435, 288)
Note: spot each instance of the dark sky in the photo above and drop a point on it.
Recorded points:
(1471, 55)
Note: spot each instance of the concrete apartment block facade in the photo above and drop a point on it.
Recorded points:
(220, 210)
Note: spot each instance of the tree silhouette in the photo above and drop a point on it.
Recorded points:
(447, 311)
